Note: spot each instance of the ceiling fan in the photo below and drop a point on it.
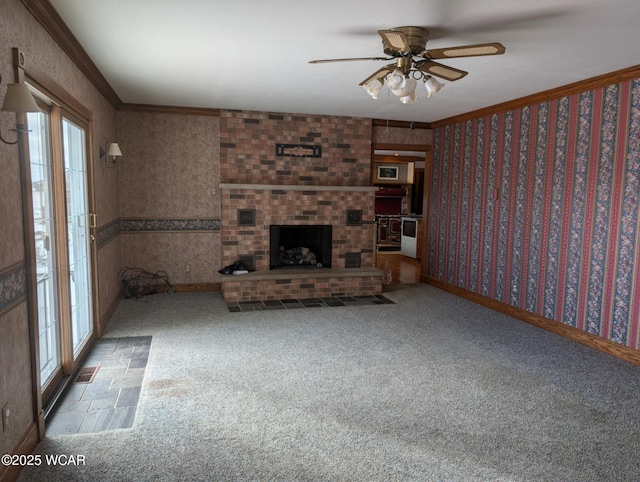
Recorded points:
(413, 61)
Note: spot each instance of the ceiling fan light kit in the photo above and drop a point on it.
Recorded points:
(413, 62)
(373, 87)
(432, 86)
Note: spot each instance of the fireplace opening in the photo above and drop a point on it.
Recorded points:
(307, 246)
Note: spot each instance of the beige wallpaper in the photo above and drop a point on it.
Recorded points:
(187, 258)
(399, 135)
(109, 263)
(169, 194)
(170, 166)
(15, 375)
(105, 178)
(11, 235)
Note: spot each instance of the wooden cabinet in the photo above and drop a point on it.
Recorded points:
(389, 230)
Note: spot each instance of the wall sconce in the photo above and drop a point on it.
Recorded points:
(111, 150)
(18, 99)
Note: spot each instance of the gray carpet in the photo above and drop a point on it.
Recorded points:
(430, 388)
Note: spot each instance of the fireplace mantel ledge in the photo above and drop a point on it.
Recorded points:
(305, 273)
(297, 187)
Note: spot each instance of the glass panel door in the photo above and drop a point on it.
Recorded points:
(62, 242)
(73, 140)
(45, 246)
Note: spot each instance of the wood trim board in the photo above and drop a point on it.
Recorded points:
(592, 341)
(51, 21)
(26, 446)
(621, 75)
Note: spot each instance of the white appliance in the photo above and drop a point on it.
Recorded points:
(409, 237)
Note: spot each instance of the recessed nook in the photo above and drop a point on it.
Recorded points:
(295, 247)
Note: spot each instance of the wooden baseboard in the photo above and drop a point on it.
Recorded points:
(26, 446)
(592, 341)
(106, 316)
(191, 288)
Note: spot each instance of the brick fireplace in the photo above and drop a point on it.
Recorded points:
(261, 188)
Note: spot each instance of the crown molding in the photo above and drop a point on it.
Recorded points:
(402, 124)
(169, 109)
(621, 75)
(46, 15)
(385, 146)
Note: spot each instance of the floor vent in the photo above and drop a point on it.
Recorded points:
(86, 375)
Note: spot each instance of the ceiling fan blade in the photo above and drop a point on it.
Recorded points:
(439, 70)
(394, 40)
(493, 48)
(327, 61)
(379, 73)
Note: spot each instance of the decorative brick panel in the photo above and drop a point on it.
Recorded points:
(248, 141)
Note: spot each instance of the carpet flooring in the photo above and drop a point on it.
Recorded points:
(429, 388)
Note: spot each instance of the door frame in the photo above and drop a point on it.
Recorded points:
(31, 74)
(427, 149)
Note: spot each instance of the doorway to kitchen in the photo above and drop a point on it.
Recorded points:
(401, 173)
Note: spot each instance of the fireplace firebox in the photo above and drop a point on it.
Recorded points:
(294, 246)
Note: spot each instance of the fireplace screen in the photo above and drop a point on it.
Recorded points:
(307, 246)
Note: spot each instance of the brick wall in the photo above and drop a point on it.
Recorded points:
(248, 149)
(239, 290)
(260, 188)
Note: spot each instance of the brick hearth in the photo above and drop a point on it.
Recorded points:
(304, 283)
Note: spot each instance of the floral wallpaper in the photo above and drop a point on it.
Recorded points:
(13, 286)
(539, 208)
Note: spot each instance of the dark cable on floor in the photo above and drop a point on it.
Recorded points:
(137, 282)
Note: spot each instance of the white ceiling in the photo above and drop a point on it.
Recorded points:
(253, 54)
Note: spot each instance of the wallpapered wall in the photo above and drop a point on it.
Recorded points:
(538, 208)
(401, 135)
(169, 198)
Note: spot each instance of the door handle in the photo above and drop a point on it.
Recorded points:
(93, 224)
